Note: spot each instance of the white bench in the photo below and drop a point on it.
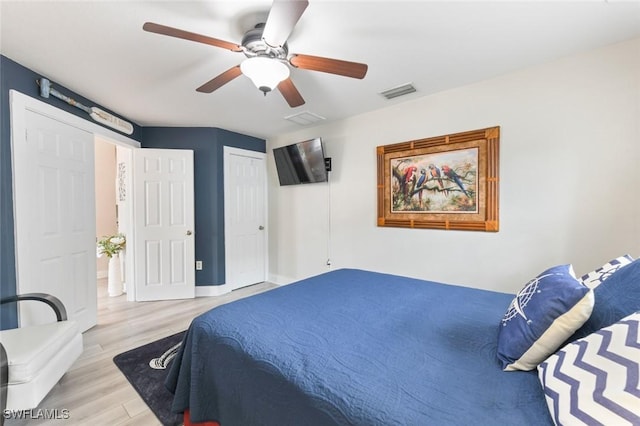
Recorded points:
(37, 356)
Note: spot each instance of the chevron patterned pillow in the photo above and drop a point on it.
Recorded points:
(594, 380)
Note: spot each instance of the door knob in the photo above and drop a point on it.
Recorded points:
(260, 227)
(189, 232)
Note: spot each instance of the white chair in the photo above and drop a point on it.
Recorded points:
(37, 356)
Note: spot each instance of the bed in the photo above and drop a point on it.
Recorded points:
(353, 347)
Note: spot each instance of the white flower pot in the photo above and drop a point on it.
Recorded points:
(114, 286)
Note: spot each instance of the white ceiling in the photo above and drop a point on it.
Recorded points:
(98, 49)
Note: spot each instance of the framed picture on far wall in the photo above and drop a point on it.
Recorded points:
(447, 182)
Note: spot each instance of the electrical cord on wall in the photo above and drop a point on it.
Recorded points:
(328, 221)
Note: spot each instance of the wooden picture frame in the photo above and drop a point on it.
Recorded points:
(446, 182)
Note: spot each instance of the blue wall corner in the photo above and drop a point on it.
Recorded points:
(208, 146)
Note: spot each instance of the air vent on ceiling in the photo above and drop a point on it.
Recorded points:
(394, 92)
(304, 118)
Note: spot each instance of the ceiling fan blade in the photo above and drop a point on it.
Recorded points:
(220, 80)
(332, 66)
(174, 32)
(290, 93)
(283, 16)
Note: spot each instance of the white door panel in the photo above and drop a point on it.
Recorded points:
(164, 250)
(245, 217)
(55, 218)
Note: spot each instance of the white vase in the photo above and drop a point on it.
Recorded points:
(123, 276)
(114, 286)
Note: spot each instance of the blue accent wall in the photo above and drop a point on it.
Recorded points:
(207, 144)
(17, 77)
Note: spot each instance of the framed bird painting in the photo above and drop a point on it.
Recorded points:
(446, 182)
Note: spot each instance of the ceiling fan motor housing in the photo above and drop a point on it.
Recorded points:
(254, 45)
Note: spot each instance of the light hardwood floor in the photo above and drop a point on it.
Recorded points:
(94, 390)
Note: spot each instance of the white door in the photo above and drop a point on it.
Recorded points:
(164, 250)
(55, 218)
(244, 217)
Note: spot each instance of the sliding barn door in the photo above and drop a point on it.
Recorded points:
(54, 217)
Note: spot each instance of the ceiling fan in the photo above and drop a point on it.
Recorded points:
(268, 59)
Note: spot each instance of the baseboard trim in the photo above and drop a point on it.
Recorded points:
(280, 280)
(212, 290)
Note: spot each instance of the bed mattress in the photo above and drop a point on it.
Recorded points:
(353, 347)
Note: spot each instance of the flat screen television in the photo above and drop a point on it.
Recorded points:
(302, 162)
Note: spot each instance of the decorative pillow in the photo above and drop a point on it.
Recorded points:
(595, 380)
(594, 278)
(541, 317)
(616, 298)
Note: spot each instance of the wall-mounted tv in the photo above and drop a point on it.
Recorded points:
(302, 162)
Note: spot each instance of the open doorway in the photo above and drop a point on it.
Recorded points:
(113, 209)
(106, 207)
(54, 196)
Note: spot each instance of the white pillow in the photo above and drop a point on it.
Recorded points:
(594, 380)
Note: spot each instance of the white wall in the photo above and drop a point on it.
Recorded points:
(106, 224)
(569, 179)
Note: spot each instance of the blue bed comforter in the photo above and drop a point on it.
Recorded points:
(352, 347)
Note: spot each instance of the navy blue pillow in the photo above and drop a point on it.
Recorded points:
(617, 297)
(543, 314)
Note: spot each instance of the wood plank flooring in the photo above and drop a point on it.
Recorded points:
(94, 390)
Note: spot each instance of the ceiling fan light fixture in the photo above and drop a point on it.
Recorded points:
(265, 73)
